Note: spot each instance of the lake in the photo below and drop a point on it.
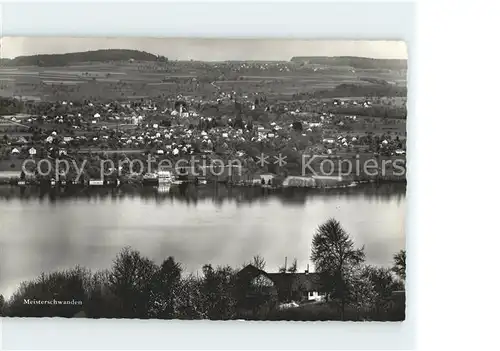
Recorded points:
(46, 230)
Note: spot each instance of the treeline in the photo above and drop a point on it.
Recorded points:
(137, 287)
(374, 80)
(52, 60)
(355, 62)
(374, 111)
(368, 90)
(349, 90)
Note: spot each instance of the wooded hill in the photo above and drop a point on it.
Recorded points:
(53, 60)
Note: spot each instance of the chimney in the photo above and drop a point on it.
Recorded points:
(307, 270)
(285, 264)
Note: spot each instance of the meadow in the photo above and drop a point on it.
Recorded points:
(121, 80)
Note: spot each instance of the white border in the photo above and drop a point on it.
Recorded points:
(341, 20)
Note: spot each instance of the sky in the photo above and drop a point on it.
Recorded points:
(207, 49)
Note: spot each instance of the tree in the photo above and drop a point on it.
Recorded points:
(216, 289)
(383, 283)
(293, 267)
(2, 302)
(400, 264)
(165, 289)
(162, 58)
(102, 303)
(363, 296)
(131, 281)
(65, 285)
(259, 262)
(335, 258)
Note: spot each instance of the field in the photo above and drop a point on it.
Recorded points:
(135, 80)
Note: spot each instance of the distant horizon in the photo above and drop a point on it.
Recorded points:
(208, 50)
(228, 60)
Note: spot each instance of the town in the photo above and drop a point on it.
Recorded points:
(204, 111)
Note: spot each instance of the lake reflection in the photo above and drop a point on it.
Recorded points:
(42, 231)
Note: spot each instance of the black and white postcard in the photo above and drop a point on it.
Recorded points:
(218, 179)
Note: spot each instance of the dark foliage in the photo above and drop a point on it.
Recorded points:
(217, 292)
(297, 126)
(63, 286)
(400, 264)
(136, 287)
(2, 302)
(131, 281)
(51, 60)
(336, 259)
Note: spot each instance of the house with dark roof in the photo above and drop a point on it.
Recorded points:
(255, 281)
(254, 288)
(298, 286)
(285, 286)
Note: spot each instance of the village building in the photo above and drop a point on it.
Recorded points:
(264, 178)
(256, 285)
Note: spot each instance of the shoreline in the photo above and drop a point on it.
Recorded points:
(151, 184)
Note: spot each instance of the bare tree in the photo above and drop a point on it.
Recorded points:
(259, 262)
(293, 267)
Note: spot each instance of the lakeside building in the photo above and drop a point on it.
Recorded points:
(304, 286)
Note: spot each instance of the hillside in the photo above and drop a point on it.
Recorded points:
(52, 60)
(356, 62)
